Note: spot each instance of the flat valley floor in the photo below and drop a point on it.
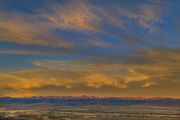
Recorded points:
(92, 113)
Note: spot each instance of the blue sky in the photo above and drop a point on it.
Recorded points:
(93, 47)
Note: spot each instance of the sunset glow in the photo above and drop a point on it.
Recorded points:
(102, 48)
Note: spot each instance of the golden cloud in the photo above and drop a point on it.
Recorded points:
(68, 76)
(147, 69)
(26, 29)
(158, 68)
(76, 15)
(36, 29)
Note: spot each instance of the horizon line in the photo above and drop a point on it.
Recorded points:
(97, 97)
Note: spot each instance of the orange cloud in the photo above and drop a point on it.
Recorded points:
(146, 85)
(81, 16)
(27, 29)
(72, 76)
(98, 80)
(76, 15)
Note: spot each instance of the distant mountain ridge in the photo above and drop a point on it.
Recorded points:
(93, 97)
(89, 100)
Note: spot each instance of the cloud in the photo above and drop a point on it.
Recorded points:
(39, 28)
(26, 52)
(146, 15)
(76, 15)
(143, 15)
(98, 80)
(146, 85)
(27, 29)
(157, 70)
(35, 30)
(99, 35)
(67, 75)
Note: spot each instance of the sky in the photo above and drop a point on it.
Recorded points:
(105, 48)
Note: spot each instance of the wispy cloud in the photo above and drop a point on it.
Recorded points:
(76, 15)
(162, 67)
(81, 16)
(120, 48)
(27, 29)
